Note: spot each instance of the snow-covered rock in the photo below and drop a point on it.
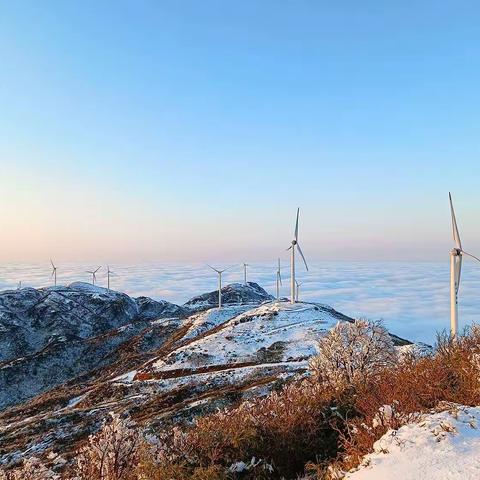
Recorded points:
(50, 335)
(441, 445)
(250, 293)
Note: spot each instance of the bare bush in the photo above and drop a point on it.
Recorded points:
(352, 352)
(111, 454)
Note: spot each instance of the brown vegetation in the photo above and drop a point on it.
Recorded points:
(314, 427)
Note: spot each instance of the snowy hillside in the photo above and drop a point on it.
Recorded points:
(441, 446)
(85, 351)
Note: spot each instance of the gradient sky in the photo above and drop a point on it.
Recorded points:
(191, 130)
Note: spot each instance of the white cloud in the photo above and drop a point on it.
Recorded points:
(412, 298)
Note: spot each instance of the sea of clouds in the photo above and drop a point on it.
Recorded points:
(411, 298)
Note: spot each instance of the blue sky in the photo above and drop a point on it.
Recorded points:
(188, 131)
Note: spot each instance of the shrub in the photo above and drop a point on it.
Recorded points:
(351, 353)
(111, 454)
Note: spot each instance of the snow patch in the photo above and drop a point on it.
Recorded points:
(441, 446)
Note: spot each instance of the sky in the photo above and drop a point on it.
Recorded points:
(186, 131)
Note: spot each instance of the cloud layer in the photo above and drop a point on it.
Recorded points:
(412, 298)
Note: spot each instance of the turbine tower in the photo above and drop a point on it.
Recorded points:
(245, 265)
(298, 290)
(219, 272)
(279, 280)
(455, 270)
(54, 272)
(109, 272)
(292, 265)
(93, 272)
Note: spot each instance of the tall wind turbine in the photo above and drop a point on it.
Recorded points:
(455, 270)
(54, 272)
(93, 272)
(245, 265)
(109, 272)
(292, 266)
(279, 280)
(298, 290)
(219, 272)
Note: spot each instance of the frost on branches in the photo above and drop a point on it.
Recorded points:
(111, 453)
(352, 352)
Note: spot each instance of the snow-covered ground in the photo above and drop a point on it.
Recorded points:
(278, 329)
(440, 446)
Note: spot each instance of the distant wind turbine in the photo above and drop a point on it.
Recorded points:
(298, 290)
(455, 271)
(292, 247)
(279, 280)
(93, 272)
(219, 272)
(19, 285)
(109, 272)
(54, 272)
(245, 265)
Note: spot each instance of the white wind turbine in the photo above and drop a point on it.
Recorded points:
(93, 272)
(455, 271)
(219, 272)
(245, 265)
(298, 289)
(292, 266)
(109, 272)
(279, 280)
(54, 272)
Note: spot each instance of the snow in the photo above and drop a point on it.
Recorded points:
(126, 377)
(441, 445)
(211, 318)
(277, 329)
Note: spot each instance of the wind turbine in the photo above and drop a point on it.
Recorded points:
(19, 285)
(279, 280)
(219, 272)
(109, 272)
(298, 289)
(245, 265)
(54, 272)
(93, 272)
(455, 270)
(292, 266)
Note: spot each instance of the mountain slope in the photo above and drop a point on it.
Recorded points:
(162, 369)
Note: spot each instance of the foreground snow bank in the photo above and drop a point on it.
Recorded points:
(440, 446)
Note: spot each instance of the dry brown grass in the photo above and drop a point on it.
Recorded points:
(306, 428)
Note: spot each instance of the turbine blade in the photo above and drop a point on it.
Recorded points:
(214, 269)
(301, 253)
(456, 235)
(289, 248)
(52, 263)
(296, 225)
(470, 255)
(98, 269)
